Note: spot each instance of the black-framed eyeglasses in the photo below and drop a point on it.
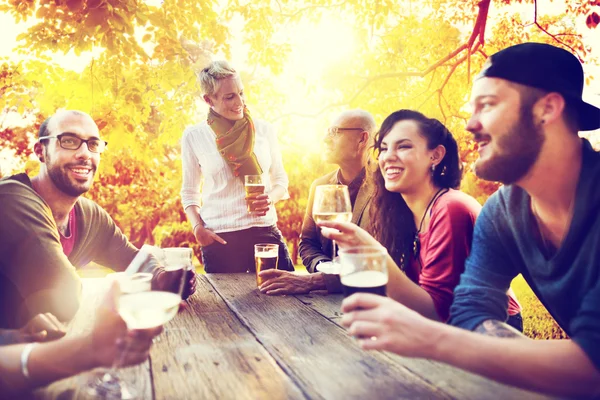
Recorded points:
(334, 130)
(69, 142)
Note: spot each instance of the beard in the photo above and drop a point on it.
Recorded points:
(60, 177)
(520, 146)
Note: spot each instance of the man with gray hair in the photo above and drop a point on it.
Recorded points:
(347, 142)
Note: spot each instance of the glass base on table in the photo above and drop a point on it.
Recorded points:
(105, 384)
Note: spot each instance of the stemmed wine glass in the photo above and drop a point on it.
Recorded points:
(332, 203)
(142, 304)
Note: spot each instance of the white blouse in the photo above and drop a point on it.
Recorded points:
(222, 196)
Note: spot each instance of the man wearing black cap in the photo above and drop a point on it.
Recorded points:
(544, 224)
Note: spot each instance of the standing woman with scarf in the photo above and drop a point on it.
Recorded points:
(217, 154)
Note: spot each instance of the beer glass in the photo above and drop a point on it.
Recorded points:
(332, 203)
(254, 186)
(266, 256)
(363, 269)
(178, 260)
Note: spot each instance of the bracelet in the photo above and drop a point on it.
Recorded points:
(194, 228)
(24, 358)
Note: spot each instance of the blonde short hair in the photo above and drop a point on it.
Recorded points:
(210, 76)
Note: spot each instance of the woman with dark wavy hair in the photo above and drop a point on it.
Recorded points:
(418, 214)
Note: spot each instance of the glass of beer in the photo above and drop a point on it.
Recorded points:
(266, 256)
(177, 261)
(363, 269)
(254, 186)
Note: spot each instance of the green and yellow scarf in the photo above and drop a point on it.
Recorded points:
(235, 141)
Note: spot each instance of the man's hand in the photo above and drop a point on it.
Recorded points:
(279, 282)
(347, 234)
(170, 281)
(381, 323)
(259, 205)
(206, 237)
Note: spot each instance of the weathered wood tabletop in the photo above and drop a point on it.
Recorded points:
(235, 343)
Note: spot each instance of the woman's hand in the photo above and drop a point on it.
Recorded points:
(381, 323)
(206, 237)
(347, 234)
(110, 341)
(259, 205)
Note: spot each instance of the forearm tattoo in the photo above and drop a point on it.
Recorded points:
(493, 327)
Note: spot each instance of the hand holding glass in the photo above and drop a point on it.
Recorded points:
(332, 203)
(254, 186)
(142, 305)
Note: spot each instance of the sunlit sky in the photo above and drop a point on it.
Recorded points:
(315, 48)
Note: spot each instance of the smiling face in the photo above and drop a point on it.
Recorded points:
(405, 159)
(509, 141)
(71, 171)
(228, 99)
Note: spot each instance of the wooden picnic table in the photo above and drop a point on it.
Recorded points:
(234, 343)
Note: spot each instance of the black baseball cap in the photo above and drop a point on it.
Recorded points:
(545, 67)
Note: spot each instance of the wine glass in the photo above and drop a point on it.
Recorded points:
(332, 203)
(142, 304)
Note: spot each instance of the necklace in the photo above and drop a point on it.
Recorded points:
(416, 241)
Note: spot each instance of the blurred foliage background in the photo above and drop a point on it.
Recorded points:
(301, 61)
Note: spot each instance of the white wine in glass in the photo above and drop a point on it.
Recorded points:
(142, 305)
(145, 310)
(332, 203)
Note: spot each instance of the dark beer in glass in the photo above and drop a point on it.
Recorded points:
(363, 269)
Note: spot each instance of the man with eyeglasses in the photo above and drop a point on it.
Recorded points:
(47, 229)
(347, 142)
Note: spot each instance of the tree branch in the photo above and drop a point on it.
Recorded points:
(472, 45)
(555, 37)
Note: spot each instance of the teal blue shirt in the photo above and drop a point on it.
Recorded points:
(505, 243)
